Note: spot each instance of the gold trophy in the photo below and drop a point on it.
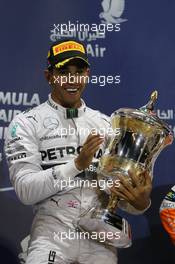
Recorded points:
(139, 137)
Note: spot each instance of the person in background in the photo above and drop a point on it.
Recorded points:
(167, 213)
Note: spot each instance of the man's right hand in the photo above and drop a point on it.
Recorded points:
(91, 145)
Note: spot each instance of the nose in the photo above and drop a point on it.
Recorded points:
(73, 78)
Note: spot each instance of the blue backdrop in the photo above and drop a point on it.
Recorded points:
(141, 52)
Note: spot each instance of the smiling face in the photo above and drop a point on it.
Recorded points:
(68, 83)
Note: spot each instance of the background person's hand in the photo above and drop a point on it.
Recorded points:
(91, 145)
(137, 192)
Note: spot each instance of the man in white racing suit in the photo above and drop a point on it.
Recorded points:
(51, 150)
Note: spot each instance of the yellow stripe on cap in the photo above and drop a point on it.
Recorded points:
(62, 63)
(68, 46)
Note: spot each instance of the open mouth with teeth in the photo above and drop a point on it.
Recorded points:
(72, 90)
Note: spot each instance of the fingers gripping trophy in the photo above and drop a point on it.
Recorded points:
(139, 137)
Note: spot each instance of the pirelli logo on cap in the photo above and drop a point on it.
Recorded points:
(68, 46)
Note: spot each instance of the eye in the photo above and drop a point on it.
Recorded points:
(80, 71)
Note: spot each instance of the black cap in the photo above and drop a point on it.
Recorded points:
(62, 51)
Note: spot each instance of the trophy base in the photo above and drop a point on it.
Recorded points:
(106, 228)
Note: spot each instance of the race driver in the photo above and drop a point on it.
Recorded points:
(55, 143)
(167, 213)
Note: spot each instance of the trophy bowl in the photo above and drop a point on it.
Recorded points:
(139, 136)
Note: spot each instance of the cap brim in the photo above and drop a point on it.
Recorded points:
(62, 63)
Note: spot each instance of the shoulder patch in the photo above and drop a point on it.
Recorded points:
(170, 196)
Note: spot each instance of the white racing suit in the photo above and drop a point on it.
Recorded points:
(167, 213)
(41, 146)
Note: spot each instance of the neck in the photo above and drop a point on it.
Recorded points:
(66, 104)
